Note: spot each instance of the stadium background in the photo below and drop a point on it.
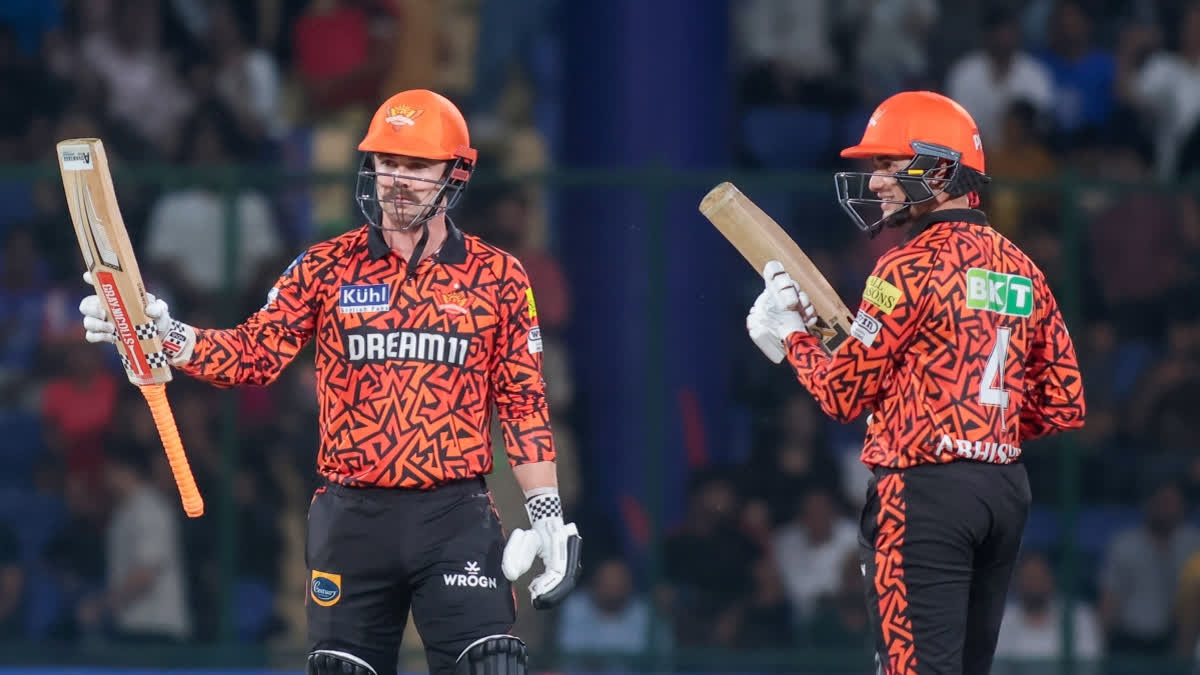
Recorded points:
(714, 500)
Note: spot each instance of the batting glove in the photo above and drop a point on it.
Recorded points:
(780, 310)
(179, 339)
(557, 544)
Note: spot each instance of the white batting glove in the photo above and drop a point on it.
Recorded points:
(780, 310)
(557, 544)
(179, 339)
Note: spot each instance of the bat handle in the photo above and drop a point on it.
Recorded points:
(164, 419)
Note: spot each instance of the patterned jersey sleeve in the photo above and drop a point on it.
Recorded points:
(846, 383)
(257, 351)
(516, 373)
(1053, 387)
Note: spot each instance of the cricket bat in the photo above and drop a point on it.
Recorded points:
(108, 255)
(760, 239)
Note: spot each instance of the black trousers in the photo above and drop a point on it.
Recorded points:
(374, 553)
(939, 546)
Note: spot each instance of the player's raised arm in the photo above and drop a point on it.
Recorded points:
(846, 383)
(1053, 386)
(254, 352)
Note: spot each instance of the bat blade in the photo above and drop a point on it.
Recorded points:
(108, 255)
(760, 239)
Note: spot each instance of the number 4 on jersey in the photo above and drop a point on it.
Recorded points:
(991, 391)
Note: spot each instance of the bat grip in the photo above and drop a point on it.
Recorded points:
(164, 419)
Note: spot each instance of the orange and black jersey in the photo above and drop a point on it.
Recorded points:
(958, 351)
(407, 367)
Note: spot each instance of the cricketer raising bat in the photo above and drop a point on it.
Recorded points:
(760, 239)
(109, 257)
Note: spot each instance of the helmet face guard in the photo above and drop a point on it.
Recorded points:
(934, 169)
(449, 191)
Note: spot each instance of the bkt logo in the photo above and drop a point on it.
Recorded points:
(367, 298)
(472, 578)
(1010, 294)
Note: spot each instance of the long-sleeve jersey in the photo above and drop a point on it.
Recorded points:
(407, 367)
(958, 351)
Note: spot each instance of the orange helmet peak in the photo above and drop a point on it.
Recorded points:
(925, 117)
(419, 123)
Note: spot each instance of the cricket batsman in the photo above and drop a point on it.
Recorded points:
(420, 329)
(960, 354)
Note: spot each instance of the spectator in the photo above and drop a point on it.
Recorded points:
(704, 600)
(1083, 74)
(508, 224)
(342, 53)
(185, 242)
(987, 80)
(144, 599)
(78, 407)
(787, 53)
(124, 49)
(793, 459)
(606, 616)
(1163, 85)
(1020, 157)
(764, 620)
(840, 620)
(1134, 270)
(247, 79)
(1140, 572)
(74, 556)
(1030, 632)
(892, 52)
(811, 549)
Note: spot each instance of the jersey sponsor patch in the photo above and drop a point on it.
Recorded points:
(1010, 294)
(326, 588)
(365, 345)
(364, 298)
(532, 304)
(535, 340)
(881, 294)
(865, 328)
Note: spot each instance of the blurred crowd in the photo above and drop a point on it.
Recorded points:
(92, 542)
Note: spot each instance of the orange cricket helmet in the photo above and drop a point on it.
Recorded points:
(932, 129)
(416, 123)
(419, 123)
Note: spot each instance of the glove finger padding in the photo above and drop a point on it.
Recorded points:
(519, 553)
(157, 310)
(563, 568)
(93, 308)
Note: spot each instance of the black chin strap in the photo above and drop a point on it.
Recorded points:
(418, 250)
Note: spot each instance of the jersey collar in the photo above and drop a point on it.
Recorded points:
(452, 252)
(972, 216)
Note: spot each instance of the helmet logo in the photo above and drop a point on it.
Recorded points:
(403, 116)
